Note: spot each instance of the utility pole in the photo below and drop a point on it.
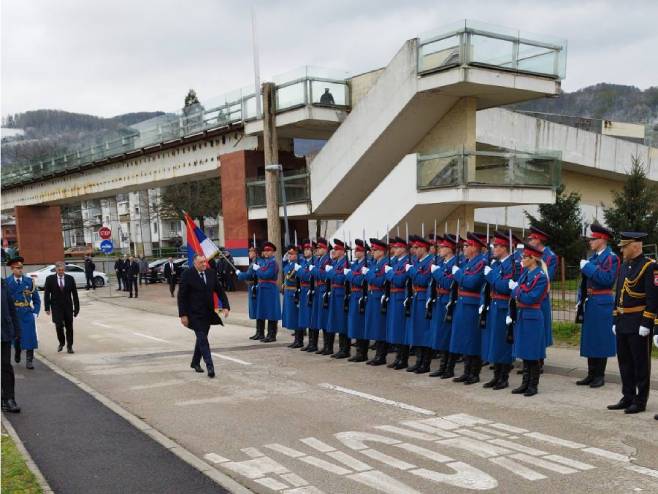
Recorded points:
(272, 167)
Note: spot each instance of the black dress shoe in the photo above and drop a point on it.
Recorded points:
(635, 408)
(620, 405)
(29, 365)
(211, 373)
(655, 417)
(69, 350)
(60, 347)
(597, 382)
(10, 406)
(17, 357)
(196, 367)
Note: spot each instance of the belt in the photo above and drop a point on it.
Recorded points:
(267, 281)
(528, 306)
(22, 304)
(499, 296)
(591, 291)
(374, 288)
(305, 284)
(442, 291)
(464, 293)
(356, 289)
(320, 283)
(335, 285)
(397, 290)
(419, 289)
(291, 288)
(631, 310)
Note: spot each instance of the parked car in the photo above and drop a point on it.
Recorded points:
(78, 251)
(78, 273)
(156, 269)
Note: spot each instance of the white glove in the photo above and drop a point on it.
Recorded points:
(480, 309)
(508, 320)
(312, 267)
(346, 271)
(455, 269)
(644, 331)
(512, 284)
(328, 268)
(407, 267)
(434, 267)
(237, 272)
(487, 270)
(387, 268)
(297, 267)
(614, 329)
(655, 341)
(364, 270)
(583, 262)
(256, 267)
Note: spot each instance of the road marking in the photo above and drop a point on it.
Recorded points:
(102, 325)
(517, 468)
(421, 426)
(285, 450)
(253, 452)
(271, 483)
(473, 434)
(162, 384)
(151, 337)
(349, 461)
(406, 432)
(425, 453)
(518, 447)
(378, 399)
(381, 482)
(295, 480)
(388, 460)
(232, 359)
(491, 431)
(317, 444)
(569, 462)
(215, 458)
(485, 450)
(554, 440)
(604, 453)
(325, 465)
(508, 428)
(643, 470)
(465, 477)
(547, 465)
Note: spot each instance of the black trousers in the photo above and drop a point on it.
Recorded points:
(172, 285)
(7, 372)
(90, 281)
(65, 322)
(634, 356)
(119, 278)
(202, 349)
(132, 283)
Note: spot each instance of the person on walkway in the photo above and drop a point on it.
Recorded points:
(529, 335)
(11, 332)
(124, 272)
(249, 277)
(196, 308)
(61, 302)
(28, 304)
(131, 275)
(290, 312)
(306, 295)
(170, 275)
(538, 239)
(356, 310)
(118, 271)
(268, 301)
(89, 273)
(597, 341)
(337, 321)
(636, 305)
(375, 320)
(396, 322)
(143, 270)
(320, 312)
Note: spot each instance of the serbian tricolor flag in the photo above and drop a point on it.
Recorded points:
(198, 244)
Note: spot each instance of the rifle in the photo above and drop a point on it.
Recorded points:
(298, 284)
(346, 283)
(431, 300)
(327, 294)
(408, 286)
(454, 288)
(582, 294)
(364, 285)
(387, 284)
(511, 309)
(311, 282)
(487, 290)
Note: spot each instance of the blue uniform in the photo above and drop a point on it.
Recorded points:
(375, 320)
(466, 338)
(320, 314)
(529, 329)
(596, 338)
(337, 320)
(249, 276)
(549, 257)
(290, 313)
(441, 330)
(418, 326)
(28, 304)
(356, 322)
(495, 347)
(268, 301)
(305, 281)
(396, 322)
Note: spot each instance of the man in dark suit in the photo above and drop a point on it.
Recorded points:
(132, 274)
(11, 331)
(61, 301)
(118, 270)
(196, 308)
(170, 275)
(89, 272)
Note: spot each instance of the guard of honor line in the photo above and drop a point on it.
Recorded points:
(474, 300)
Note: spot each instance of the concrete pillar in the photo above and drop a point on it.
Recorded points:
(39, 234)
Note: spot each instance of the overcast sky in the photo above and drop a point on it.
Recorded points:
(107, 57)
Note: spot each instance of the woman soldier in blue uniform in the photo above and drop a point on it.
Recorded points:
(290, 312)
(268, 301)
(440, 328)
(597, 341)
(356, 321)
(466, 338)
(495, 347)
(396, 322)
(28, 304)
(302, 267)
(337, 322)
(529, 331)
(375, 320)
(320, 313)
(249, 276)
(418, 326)
(538, 239)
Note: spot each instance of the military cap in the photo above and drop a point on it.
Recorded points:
(538, 234)
(598, 231)
(378, 244)
(630, 237)
(475, 240)
(269, 247)
(15, 260)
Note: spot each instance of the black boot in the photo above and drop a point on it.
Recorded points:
(396, 361)
(526, 379)
(294, 342)
(29, 357)
(419, 359)
(300, 338)
(476, 367)
(325, 340)
(533, 381)
(599, 376)
(380, 355)
(425, 360)
(260, 330)
(10, 406)
(450, 366)
(403, 354)
(312, 333)
(442, 366)
(358, 353)
(496, 377)
(503, 380)
(271, 332)
(17, 356)
(590, 373)
(467, 371)
(329, 339)
(344, 344)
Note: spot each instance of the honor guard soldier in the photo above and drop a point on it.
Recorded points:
(356, 320)
(597, 341)
(337, 321)
(375, 321)
(290, 312)
(636, 305)
(495, 346)
(529, 339)
(396, 322)
(440, 328)
(28, 304)
(538, 239)
(249, 276)
(320, 312)
(466, 336)
(305, 295)
(268, 302)
(418, 327)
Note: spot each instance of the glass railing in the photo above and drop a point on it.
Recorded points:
(303, 86)
(488, 169)
(480, 44)
(296, 186)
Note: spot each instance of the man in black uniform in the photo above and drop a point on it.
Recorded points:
(170, 275)
(132, 274)
(636, 304)
(89, 272)
(118, 270)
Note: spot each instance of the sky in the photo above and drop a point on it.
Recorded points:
(108, 57)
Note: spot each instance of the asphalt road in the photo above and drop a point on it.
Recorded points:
(279, 420)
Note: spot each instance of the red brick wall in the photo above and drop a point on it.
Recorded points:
(39, 234)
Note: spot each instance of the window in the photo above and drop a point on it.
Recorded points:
(155, 228)
(73, 269)
(136, 209)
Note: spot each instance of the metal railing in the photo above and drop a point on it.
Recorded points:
(297, 190)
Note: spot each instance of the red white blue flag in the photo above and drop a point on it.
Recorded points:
(198, 244)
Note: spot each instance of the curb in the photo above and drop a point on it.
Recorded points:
(43, 483)
(184, 454)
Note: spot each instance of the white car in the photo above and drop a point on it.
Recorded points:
(78, 273)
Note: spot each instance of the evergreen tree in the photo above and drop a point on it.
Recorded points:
(563, 222)
(635, 208)
(200, 199)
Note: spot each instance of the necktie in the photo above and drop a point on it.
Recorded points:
(203, 277)
(61, 282)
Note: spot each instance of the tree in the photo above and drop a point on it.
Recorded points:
(563, 222)
(635, 208)
(200, 199)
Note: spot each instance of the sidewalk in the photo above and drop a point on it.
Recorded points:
(561, 360)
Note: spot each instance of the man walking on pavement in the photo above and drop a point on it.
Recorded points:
(132, 272)
(143, 270)
(196, 308)
(89, 272)
(61, 301)
(11, 331)
(118, 271)
(170, 275)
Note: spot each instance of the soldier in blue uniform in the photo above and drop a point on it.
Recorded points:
(529, 334)
(466, 338)
(356, 321)
(396, 322)
(440, 328)
(305, 296)
(375, 320)
(495, 346)
(418, 327)
(290, 312)
(249, 277)
(337, 322)
(320, 312)
(28, 304)
(538, 239)
(268, 301)
(597, 341)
